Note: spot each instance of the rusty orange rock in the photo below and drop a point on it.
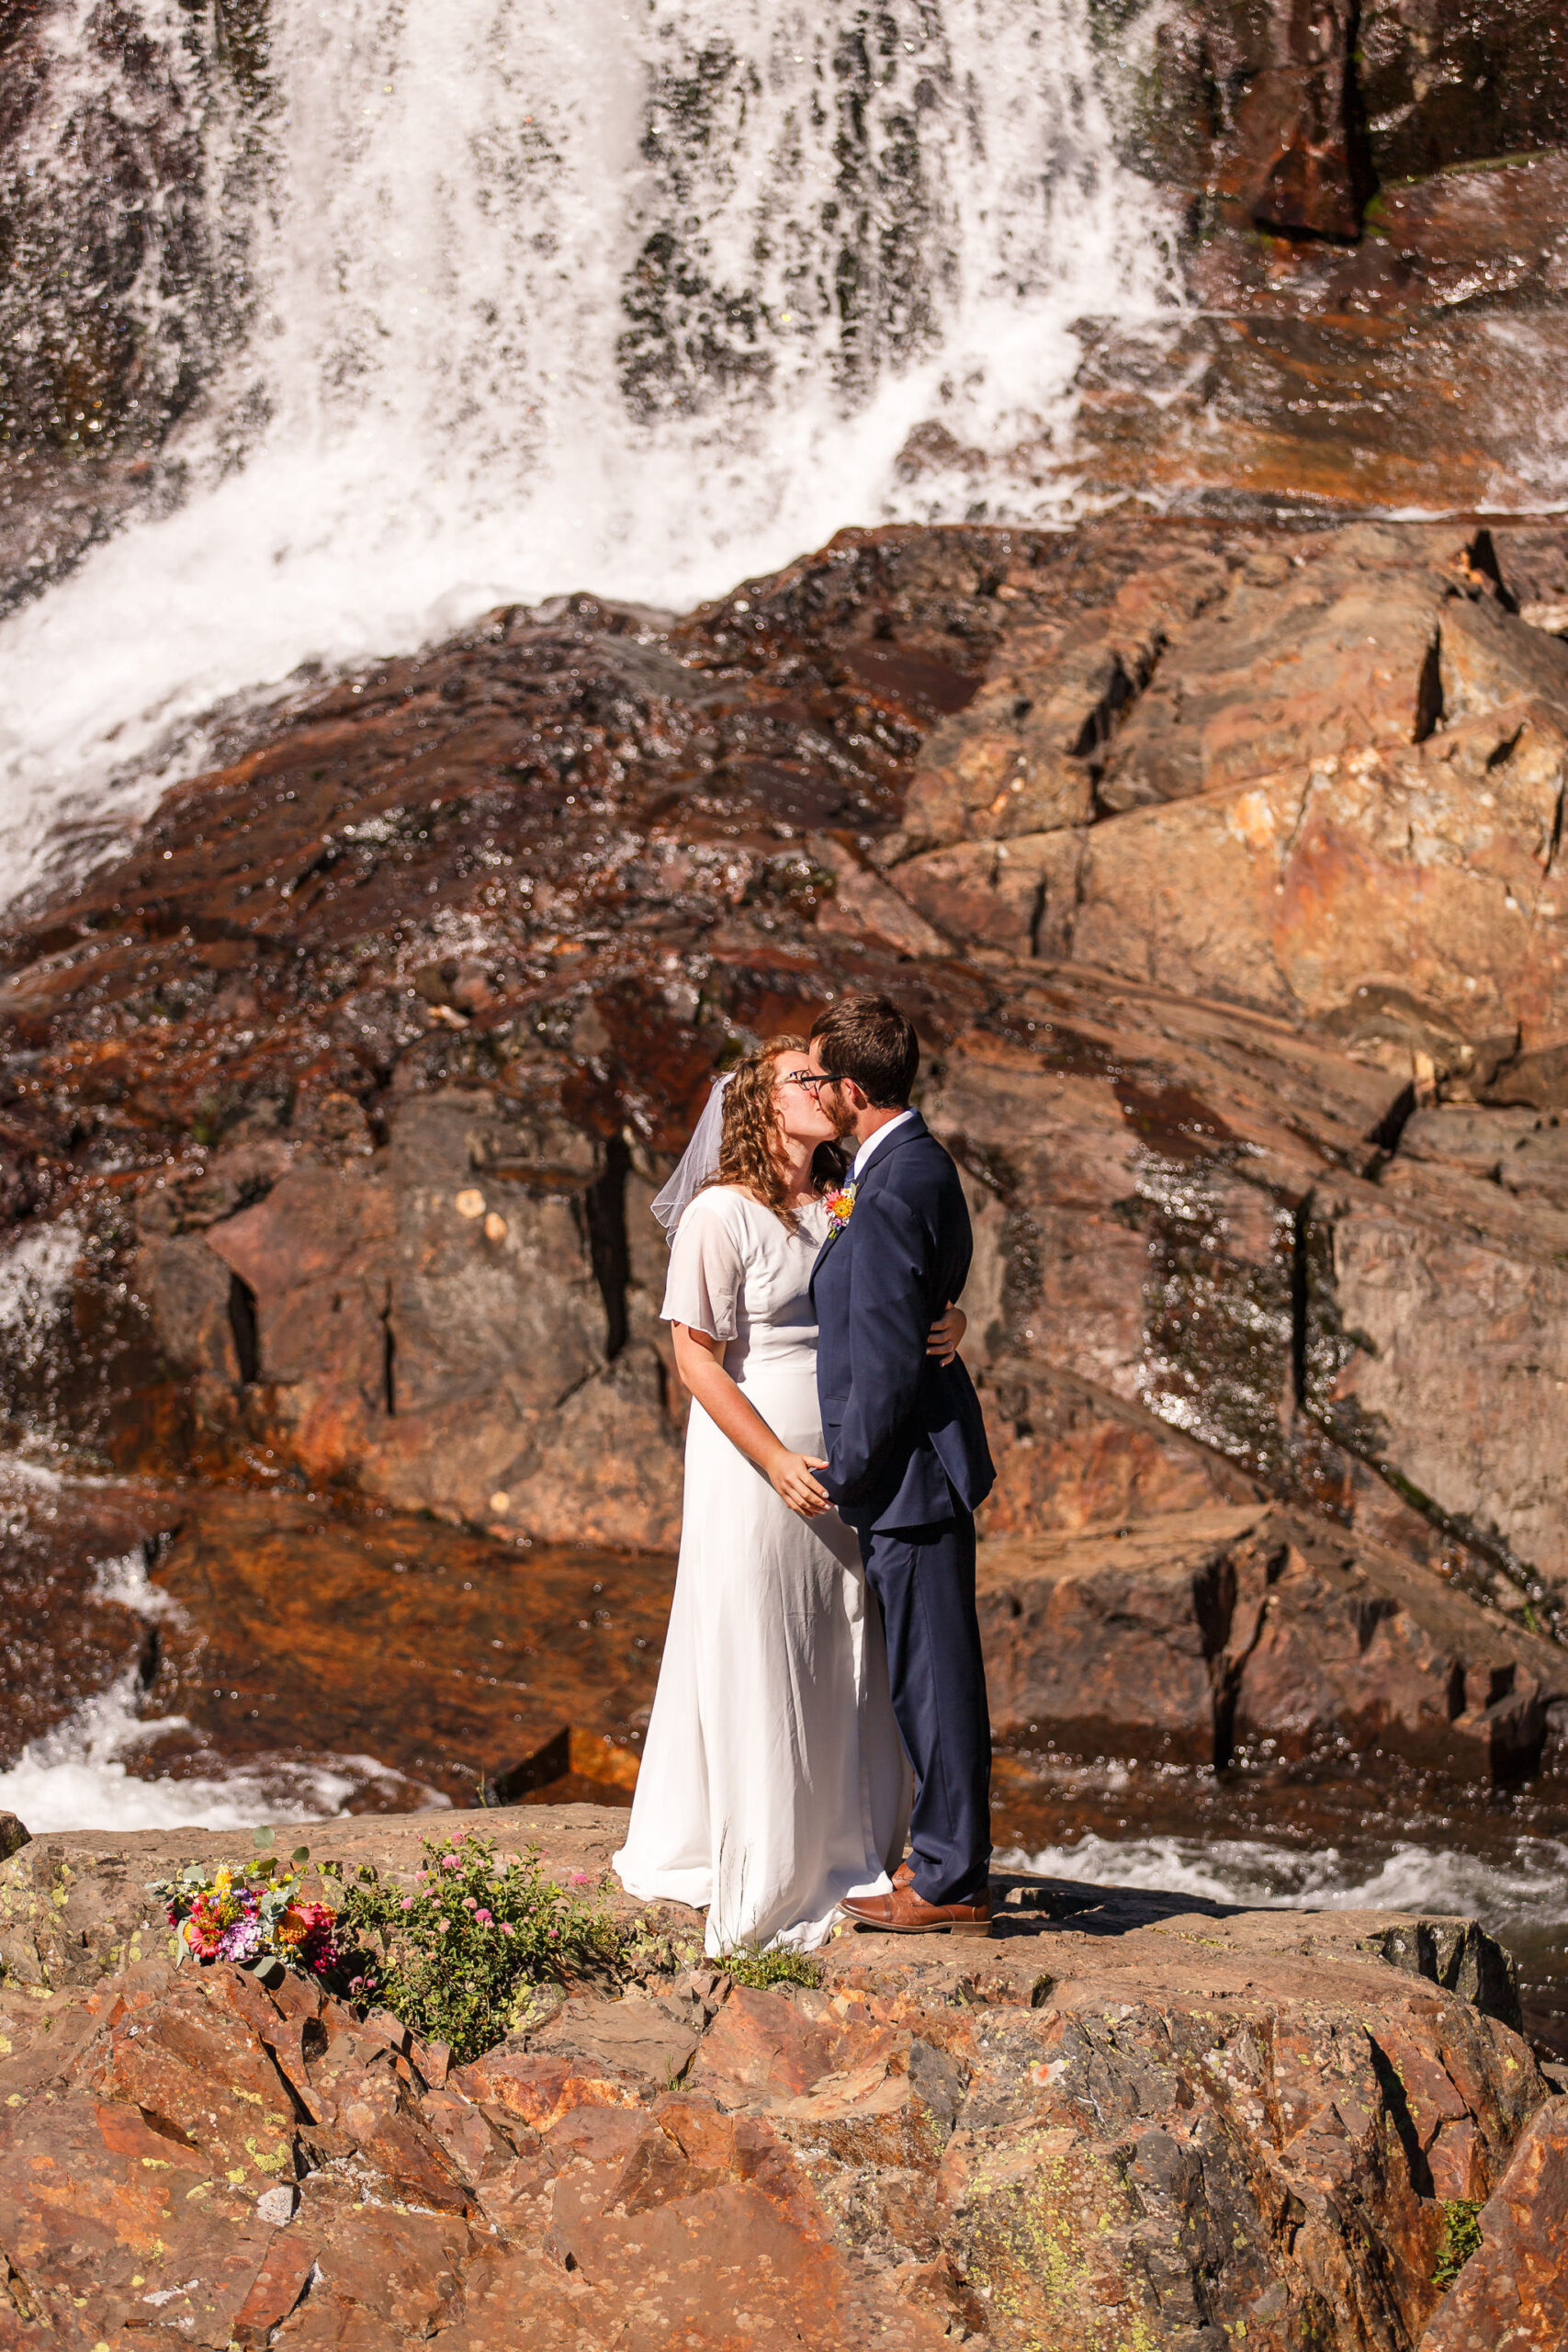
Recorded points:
(1127, 2113)
(1514, 2288)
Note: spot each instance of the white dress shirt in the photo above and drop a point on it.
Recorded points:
(871, 1142)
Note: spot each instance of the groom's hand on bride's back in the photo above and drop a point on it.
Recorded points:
(947, 1334)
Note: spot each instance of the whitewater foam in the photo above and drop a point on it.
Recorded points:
(567, 294)
(1529, 1889)
(35, 1280)
(78, 1777)
(82, 1774)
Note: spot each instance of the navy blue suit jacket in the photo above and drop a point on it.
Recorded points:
(903, 1434)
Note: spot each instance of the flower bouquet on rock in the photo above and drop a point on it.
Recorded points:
(253, 1914)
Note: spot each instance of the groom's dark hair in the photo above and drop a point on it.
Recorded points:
(868, 1039)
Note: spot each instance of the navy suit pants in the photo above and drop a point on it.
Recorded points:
(924, 1578)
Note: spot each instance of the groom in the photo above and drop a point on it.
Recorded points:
(908, 1463)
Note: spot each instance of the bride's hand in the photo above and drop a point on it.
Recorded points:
(947, 1335)
(793, 1482)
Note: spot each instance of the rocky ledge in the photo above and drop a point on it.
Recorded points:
(1130, 2120)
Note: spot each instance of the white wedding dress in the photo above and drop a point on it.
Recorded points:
(773, 1780)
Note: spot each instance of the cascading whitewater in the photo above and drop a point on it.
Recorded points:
(526, 295)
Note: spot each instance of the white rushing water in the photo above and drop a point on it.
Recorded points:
(1527, 1890)
(82, 1774)
(522, 295)
(79, 1776)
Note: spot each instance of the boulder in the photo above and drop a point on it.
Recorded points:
(510, 1653)
(1435, 1339)
(1215, 1636)
(1126, 2117)
(435, 1302)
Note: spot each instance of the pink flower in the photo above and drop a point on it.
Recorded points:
(507, 1929)
(483, 1918)
(408, 1902)
(577, 1878)
(444, 1925)
(449, 1861)
(470, 1903)
(554, 1931)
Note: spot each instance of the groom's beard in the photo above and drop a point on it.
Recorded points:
(832, 1101)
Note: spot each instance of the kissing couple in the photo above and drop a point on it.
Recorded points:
(822, 1694)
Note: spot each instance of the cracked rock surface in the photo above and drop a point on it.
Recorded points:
(1129, 2121)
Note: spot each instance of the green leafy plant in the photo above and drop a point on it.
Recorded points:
(758, 1969)
(459, 1959)
(1462, 2238)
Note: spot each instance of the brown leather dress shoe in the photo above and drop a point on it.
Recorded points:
(903, 1876)
(904, 1913)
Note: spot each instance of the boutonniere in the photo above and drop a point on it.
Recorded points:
(839, 1206)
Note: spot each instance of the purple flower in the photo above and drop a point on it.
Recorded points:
(242, 1939)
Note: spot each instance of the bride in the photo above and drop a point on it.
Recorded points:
(774, 1781)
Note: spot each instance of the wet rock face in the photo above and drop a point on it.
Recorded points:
(232, 1627)
(1217, 866)
(65, 1557)
(1216, 1636)
(1294, 114)
(1123, 2118)
(424, 963)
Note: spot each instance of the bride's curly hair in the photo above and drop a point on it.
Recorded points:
(749, 1149)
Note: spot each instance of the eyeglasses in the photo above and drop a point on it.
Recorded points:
(809, 1079)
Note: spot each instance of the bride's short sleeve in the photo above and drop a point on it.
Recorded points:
(707, 1271)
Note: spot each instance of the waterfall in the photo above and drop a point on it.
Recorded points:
(491, 301)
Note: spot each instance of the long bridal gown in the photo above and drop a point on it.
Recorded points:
(774, 1781)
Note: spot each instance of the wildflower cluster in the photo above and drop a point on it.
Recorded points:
(458, 1959)
(252, 1913)
(839, 1205)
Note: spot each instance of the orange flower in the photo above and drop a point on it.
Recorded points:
(839, 1205)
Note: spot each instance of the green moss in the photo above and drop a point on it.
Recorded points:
(758, 1969)
(1462, 2238)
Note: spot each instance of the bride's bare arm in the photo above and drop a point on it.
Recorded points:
(697, 1362)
